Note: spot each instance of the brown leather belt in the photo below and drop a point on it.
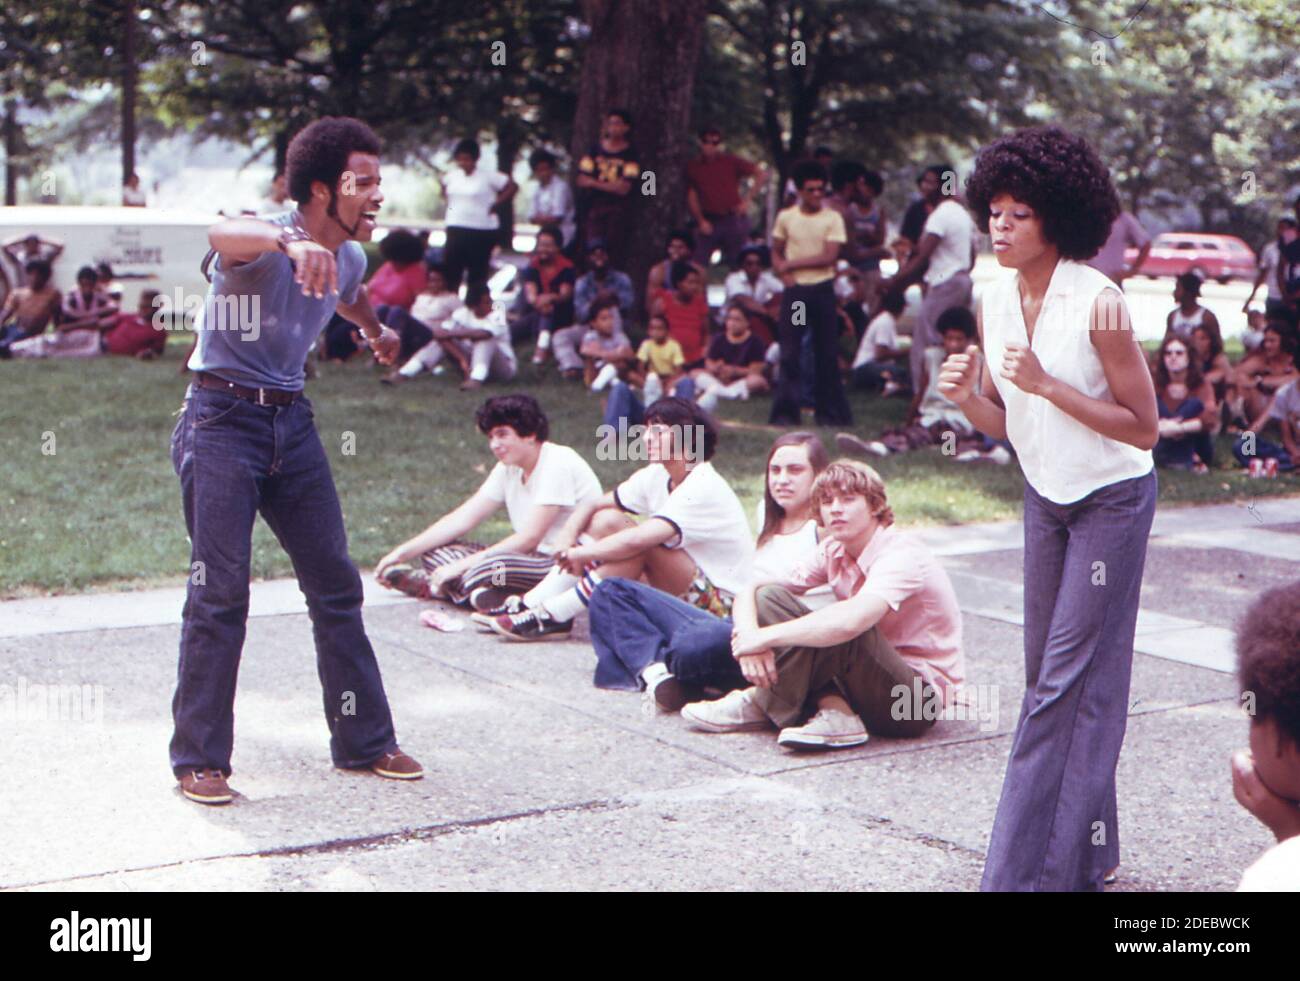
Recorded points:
(262, 396)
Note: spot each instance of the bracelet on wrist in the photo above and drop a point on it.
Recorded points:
(289, 234)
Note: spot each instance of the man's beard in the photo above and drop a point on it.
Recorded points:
(333, 212)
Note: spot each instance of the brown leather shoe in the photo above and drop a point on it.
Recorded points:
(206, 787)
(397, 766)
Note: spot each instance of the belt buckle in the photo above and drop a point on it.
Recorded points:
(261, 396)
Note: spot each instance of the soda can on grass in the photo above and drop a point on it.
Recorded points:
(1263, 468)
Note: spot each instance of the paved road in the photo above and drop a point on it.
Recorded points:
(538, 780)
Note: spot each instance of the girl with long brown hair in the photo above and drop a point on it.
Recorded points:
(1185, 401)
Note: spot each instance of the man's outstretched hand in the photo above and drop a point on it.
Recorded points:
(386, 345)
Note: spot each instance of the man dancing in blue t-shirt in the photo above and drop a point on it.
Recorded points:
(246, 444)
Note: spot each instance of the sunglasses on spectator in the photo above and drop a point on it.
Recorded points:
(711, 141)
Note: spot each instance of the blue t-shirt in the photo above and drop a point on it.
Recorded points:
(256, 327)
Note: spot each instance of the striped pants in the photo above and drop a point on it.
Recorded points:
(516, 572)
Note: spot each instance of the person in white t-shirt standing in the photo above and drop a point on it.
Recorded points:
(473, 196)
(538, 481)
(943, 258)
(552, 202)
(1067, 383)
(695, 543)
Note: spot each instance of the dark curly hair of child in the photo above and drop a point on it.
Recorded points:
(522, 413)
(1268, 657)
(1058, 175)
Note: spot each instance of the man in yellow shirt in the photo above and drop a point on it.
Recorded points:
(806, 242)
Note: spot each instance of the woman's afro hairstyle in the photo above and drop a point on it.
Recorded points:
(1058, 175)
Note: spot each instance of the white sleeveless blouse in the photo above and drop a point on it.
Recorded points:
(1063, 460)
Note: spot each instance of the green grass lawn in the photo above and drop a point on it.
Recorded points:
(104, 509)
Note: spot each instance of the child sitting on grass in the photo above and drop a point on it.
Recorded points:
(932, 414)
(1266, 777)
(475, 337)
(660, 361)
(606, 352)
(733, 365)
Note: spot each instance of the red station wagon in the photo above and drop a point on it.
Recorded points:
(1221, 257)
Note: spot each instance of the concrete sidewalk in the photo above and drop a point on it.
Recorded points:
(538, 780)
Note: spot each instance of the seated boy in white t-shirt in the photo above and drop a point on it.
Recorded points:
(540, 483)
(695, 543)
(1266, 777)
(933, 419)
(885, 658)
(476, 336)
(876, 367)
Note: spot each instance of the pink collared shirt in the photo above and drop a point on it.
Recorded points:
(923, 622)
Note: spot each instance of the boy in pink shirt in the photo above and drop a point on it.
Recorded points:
(856, 662)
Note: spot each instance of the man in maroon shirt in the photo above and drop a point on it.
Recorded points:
(713, 195)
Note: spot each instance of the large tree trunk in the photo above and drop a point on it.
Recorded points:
(128, 90)
(508, 143)
(11, 143)
(641, 55)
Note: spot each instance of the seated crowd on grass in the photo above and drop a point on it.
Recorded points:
(803, 317)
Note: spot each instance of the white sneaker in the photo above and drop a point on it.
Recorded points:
(665, 691)
(653, 390)
(736, 390)
(606, 375)
(848, 443)
(708, 401)
(734, 712)
(828, 729)
(1000, 454)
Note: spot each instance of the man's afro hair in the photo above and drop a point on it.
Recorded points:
(320, 153)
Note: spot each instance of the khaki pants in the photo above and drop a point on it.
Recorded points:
(865, 670)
